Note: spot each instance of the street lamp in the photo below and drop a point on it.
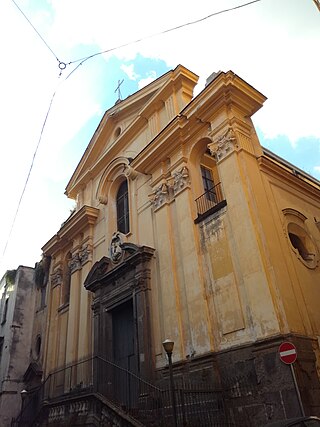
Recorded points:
(23, 394)
(168, 347)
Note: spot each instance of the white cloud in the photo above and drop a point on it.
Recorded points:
(273, 47)
(129, 71)
(152, 75)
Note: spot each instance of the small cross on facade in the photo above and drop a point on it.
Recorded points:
(118, 90)
(317, 3)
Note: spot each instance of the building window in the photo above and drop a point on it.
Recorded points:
(208, 183)
(300, 239)
(1, 347)
(212, 199)
(37, 347)
(43, 292)
(302, 243)
(123, 208)
(5, 311)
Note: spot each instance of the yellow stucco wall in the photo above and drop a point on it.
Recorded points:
(229, 280)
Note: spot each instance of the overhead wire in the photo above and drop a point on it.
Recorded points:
(62, 66)
(29, 173)
(21, 11)
(196, 21)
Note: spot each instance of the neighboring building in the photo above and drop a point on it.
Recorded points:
(185, 228)
(32, 377)
(16, 315)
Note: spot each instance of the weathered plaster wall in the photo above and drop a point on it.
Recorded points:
(17, 331)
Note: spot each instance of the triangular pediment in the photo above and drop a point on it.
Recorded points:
(121, 123)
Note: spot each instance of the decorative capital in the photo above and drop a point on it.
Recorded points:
(223, 145)
(74, 263)
(85, 254)
(160, 195)
(181, 180)
(56, 277)
(140, 284)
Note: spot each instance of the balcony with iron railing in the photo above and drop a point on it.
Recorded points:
(210, 202)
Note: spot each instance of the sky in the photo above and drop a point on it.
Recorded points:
(48, 115)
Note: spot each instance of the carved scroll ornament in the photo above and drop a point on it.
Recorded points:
(161, 195)
(181, 179)
(85, 254)
(166, 191)
(56, 277)
(75, 263)
(223, 145)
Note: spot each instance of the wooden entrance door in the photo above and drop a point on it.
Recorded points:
(124, 355)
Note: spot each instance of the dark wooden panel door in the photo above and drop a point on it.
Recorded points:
(123, 337)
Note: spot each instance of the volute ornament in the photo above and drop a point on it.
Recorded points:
(223, 145)
(85, 254)
(161, 195)
(56, 277)
(74, 263)
(103, 200)
(181, 179)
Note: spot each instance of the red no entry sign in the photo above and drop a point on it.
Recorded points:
(288, 353)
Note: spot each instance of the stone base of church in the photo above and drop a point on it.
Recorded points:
(255, 385)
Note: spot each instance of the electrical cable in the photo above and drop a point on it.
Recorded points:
(82, 60)
(29, 173)
(20, 10)
(63, 65)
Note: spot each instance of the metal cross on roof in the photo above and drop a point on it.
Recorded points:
(317, 3)
(118, 89)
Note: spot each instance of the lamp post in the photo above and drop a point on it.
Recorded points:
(23, 394)
(168, 347)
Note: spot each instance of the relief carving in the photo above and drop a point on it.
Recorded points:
(56, 277)
(85, 254)
(140, 284)
(130, 172)
(103, 199)
(161, 195)
(223, 145)
(74, 263)
(116, 248)
(181, 179)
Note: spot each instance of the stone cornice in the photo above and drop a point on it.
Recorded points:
(104, 271)
(283, 173)
(83, 218)
(227, 91)
(177, 132)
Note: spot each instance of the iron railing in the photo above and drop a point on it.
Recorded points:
(209, 199)
(196, 405)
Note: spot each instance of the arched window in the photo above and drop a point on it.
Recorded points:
(123, 208)
(208, 183)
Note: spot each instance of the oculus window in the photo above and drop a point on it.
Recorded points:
(300, 238)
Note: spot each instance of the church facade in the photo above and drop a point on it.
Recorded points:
(186, 228)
